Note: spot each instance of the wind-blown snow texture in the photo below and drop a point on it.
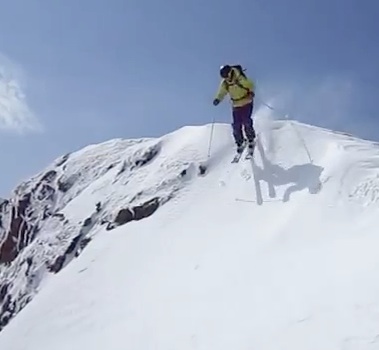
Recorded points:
(278, 253)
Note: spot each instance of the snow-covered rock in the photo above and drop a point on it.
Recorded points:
(46, 222)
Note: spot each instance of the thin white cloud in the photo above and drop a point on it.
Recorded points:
(15, 114)
(327, 102)
(330, 101)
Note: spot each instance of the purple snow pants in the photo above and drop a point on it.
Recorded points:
(242, 120)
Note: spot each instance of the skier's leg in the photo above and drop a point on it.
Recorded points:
(237, 128)
(247, 121)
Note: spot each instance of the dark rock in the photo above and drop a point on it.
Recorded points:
(63, 159)
(73, 250)
(138, 212)
(110, 226)
(83, 243)
(3, 291)
(103, 221)
(46, 213)
(202, 169)
(46, 192)
(148, 156)
(74, 243)
(18, 236)
(124, 216)
(29, 262)
(61, 260)
(59, 216)
(3, 204)
(57, 265)
(6, 312)
(65, 184)
(49, 177)
(87, 222)
(146, 210)
(111, 166)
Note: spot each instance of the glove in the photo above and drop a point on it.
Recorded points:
(216, 101)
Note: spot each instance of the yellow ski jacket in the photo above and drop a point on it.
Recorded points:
(239, 87)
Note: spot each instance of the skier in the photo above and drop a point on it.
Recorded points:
(241, 92)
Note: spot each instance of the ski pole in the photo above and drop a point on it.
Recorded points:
(301, 138)
(203, 166)
(295, 129)
(211, 137)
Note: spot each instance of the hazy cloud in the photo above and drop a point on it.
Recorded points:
(15, 114)
(327, 101)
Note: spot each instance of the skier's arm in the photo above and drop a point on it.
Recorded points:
(221, 93)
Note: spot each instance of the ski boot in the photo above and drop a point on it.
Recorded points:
(240, 147)
(251, 147)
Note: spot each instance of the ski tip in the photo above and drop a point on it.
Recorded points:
(236, 158)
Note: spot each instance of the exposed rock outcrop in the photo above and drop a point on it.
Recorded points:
(41, 233)
(138, 212)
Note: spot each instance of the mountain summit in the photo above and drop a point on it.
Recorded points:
(124, 245)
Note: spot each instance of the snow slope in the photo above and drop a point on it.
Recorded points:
(278, 253)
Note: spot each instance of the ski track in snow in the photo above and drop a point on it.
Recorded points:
(272, 253)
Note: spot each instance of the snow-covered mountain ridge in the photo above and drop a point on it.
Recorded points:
(277, 253)
(45, 223)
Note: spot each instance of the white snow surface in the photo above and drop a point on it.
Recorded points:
(276, 254)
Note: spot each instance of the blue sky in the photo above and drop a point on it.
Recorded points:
(91, 70)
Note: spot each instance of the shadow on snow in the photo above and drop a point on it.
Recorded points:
(299, 177)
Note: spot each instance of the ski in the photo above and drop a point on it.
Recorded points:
(237, 158)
